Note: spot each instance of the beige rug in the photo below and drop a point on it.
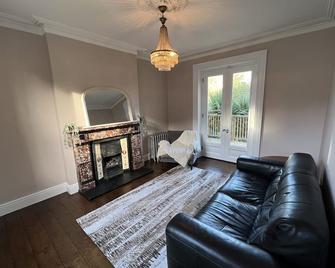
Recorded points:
(130, 230)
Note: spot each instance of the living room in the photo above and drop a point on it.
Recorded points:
(167, 133)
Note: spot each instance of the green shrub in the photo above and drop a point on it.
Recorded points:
(241, 96)
(241, 106)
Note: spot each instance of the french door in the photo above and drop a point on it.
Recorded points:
(228, 99)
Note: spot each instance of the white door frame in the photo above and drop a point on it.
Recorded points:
(258, 59)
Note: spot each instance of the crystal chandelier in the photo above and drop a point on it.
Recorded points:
(164, 57)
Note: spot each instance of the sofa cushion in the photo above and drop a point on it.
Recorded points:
(265, 209)
(296, 164)
(292, 221)
(229, 215)
(246, 187)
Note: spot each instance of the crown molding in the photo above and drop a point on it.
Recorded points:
(121, 99)
(331, 9)
(41, 26)
(17, 23)
(143, 55)
(57, 28)
(262, 38)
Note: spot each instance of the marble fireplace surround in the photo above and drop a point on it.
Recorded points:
(83, 149)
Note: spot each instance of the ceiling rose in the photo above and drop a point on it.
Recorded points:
(172, 5)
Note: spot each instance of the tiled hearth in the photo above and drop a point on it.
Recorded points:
(83, 152)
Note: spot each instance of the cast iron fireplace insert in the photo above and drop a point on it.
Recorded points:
(107, 155)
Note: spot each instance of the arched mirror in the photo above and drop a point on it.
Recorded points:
(105, 106)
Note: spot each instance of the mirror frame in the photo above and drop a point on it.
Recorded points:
(87, 119)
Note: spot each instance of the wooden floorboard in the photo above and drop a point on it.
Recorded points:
(5, 256)
(42, 246)
(66, 215)
(47, 234)
(18, 243)
(67, 251)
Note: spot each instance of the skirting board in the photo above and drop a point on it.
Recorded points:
(72, 188)
(34, 198)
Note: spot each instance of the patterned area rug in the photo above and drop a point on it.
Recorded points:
(130, 230)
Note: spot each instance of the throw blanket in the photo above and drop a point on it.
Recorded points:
(182, 149)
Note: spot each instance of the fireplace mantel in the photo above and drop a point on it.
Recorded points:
(83, 149)
(93, 133)
(107, 126)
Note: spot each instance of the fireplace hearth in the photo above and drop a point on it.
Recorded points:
(108, 157)
(105, 186)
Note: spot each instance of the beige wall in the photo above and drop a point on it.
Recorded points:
(327, 157)
(153, 97)
(42, 81)
(43, 78)
(298, 78)
(31, 159)
(77, 66)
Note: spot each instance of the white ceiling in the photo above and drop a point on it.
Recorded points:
(201, 25)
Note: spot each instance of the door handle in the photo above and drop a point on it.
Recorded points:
(225, 130)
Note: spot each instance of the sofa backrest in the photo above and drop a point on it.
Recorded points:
(300, 163)
(292, 222)
(174, 135)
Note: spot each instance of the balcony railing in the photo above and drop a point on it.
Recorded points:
(214, 125)
(239, 127)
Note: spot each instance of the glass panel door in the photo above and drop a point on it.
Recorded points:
(240, 102)
(227, 112)
(214, 108)
(213, 111)
(231, 103)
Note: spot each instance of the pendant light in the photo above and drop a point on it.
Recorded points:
(164, 57)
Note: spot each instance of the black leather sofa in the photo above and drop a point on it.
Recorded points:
(268, 214)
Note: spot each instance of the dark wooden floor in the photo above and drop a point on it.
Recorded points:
(47, 235)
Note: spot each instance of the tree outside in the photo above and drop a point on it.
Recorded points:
(215, 85)
(240, 94)
(240, 105)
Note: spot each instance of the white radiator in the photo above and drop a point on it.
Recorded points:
(154, 139)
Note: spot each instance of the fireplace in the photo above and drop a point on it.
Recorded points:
(108, 156)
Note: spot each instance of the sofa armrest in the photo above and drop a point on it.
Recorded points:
(260, 166)
(191, 243)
